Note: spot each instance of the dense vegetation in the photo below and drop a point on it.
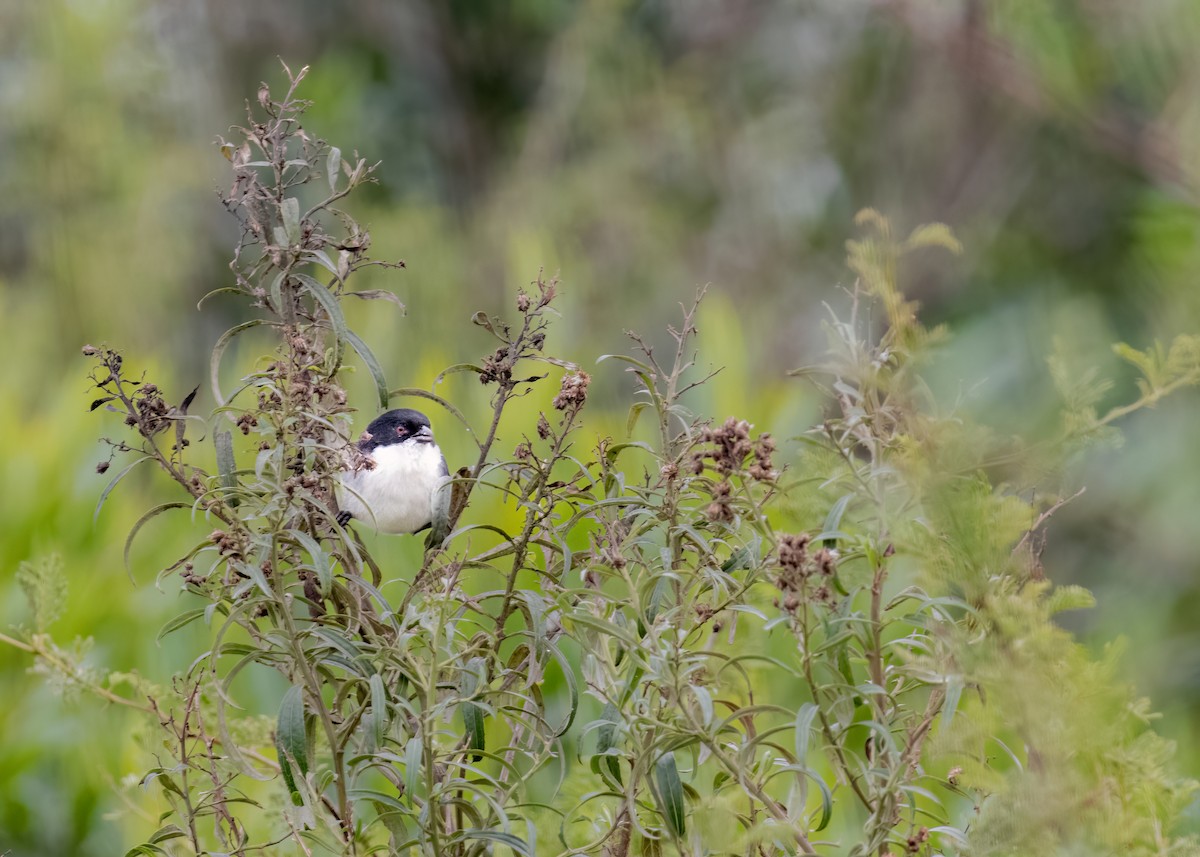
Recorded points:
(639, 150)
(688, 638)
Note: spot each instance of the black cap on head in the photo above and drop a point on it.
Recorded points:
(395, 427)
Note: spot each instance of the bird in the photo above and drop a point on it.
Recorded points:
(408, 489)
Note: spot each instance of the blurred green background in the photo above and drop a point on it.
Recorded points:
(641, 149)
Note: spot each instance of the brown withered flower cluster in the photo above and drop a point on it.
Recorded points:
(152, 410)
(573, 392)
(497, 366)
(804, 575)
(727, 448)
(142, 402)
(231, 545)
(721, 508)
(917, 840)
(730, 446)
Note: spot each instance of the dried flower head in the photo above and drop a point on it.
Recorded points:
(496, 367)
(826, 561)
(793, 560)
(728, 447)
(721, 508)
(573, 393)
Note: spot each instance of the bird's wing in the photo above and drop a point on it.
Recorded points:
(439, 519)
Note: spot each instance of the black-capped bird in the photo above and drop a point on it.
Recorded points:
(408, 489)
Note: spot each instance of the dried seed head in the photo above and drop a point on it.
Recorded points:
(543, 427)
(90, 351)
(573, 393)
(522, 301)
(103, 466)
(826, 561)
(496, 367)
(720, 509)
(522, 452)
(793, 553)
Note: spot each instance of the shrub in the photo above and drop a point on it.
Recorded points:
(700, 639)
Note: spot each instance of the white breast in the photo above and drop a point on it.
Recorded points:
(397, 495)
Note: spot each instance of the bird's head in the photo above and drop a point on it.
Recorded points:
(403, 425)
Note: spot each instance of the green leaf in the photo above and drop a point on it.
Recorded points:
(319, 557)
(826, 803)
(634, 412)
(320, 257)
(834, 519)
(669, 791)
(457, 367)
(142, 521)
(163, 834)
(373, 366)
(214, 364)
(380, 295)
(333, 166)
(226, 464)
(144, 851)
(412, 764)
(289, 210)
(738, 560)
(954, 689)
(379, 711)
(291, 740)
(804, 721)
(472, 716)
(606, 739)
(516, 844)
(218, 291)
(113, 484)
(657, 597)
(328, 302)
(180, 621)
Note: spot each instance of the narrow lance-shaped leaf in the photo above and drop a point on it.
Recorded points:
(379, 716)
(333, 166)
(289, 210)
(670, 793)
(373, 366)
(606, 739)
(380, 295)
(472, 716)
(226, 465)
(291, 740)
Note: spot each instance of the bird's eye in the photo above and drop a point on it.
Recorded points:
(401, 430)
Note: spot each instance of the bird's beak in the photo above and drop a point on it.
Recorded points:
(423, 435)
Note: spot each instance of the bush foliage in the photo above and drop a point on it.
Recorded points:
(694, 639)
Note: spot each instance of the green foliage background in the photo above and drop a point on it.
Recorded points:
(642, 149)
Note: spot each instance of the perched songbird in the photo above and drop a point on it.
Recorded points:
(408, 489)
